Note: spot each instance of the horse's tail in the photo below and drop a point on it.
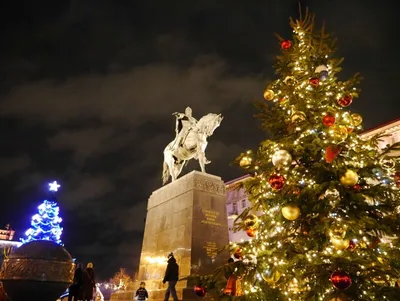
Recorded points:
(165, 173)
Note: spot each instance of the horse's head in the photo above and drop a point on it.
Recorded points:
(208, 123)
(217, 121)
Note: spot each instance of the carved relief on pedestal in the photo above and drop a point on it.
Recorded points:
(209, 186)
(194, 180)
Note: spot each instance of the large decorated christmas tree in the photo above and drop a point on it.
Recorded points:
(45, 224)
(325, 202)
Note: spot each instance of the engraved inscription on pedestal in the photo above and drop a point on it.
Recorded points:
(210, 218)
(186, 217)
(211, 249)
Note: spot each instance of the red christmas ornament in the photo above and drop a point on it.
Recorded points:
(349, 130)
(345, 101)
(332, 151)
(285, 45)
(238, 254)
(230, 288)
(199, 291)
(314, 81)
(251, 232)
(397, 178)
(296, 190)
(328, 120)
(352, 245)
(283, 99)
(357, 187)
(233, 286)
(276, 181)
(374, 243)
(341, 280)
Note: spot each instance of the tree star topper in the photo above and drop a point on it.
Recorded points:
(54, 186)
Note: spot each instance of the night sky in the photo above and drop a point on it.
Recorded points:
(88, 88)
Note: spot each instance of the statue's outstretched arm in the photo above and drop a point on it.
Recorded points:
(178, 115)
(176, 126)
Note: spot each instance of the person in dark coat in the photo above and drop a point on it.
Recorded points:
(76, 286)
(228, 270)
(88, 282)
(171, 276)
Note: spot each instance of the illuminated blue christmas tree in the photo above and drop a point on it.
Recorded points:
(45, 225)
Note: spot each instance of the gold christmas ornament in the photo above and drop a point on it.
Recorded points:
(239, 291)
(356, 119)
(269, 94)
(362, 244)
(298, 116)
(281, 158)
(350, 178)
(340, 244)
(337, 232)
(339, 133)
(271, 277)
(289, 80)
(245, 161)
(388, 163)
(291, 212)
(251, 221)
(347, 119)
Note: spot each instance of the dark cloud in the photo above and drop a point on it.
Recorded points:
(88, 188)
(144, 92)
(84, 143)
(87, 89)
(12, 165)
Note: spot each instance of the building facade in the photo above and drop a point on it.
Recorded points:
(237, 200)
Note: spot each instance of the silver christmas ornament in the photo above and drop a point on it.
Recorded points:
(281, 158)
(322, 72)
(321, 68)
(323, 75)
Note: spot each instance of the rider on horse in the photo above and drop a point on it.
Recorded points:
(190, 142)
(185, 122)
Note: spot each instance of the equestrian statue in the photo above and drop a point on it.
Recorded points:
(190, 142)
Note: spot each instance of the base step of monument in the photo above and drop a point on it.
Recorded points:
(156, 295)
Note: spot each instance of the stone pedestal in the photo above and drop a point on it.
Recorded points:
(186, 217)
